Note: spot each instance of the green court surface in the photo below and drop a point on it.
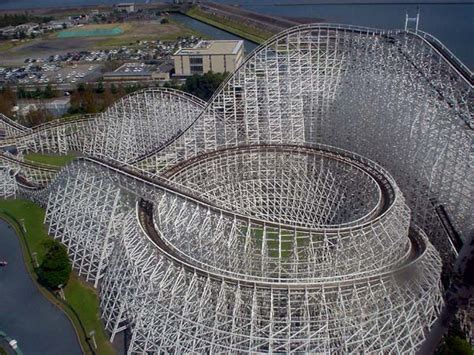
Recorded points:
(87, 32)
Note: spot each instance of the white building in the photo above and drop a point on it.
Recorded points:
(216, 56)
(126, 6)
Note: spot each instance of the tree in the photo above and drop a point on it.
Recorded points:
(131, 88)
(89, 100)
(455, 345)
(48, 92)
(55, 268)
(36, 117)
(108, 98)
(203, 86)
(21, 93)
(7, 100)
(81, 87)
(120, 91)
(37, 93)
(100, 88)
(113, 89)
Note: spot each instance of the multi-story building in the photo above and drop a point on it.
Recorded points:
(216, 56)
(126, 6)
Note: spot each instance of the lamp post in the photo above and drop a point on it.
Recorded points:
(92, 336)
(61, 292)
(22, 220)
(35, 258)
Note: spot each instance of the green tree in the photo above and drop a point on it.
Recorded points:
(455, 345)
(21, 93)
(48, 92)
(132, 88)
(81, 87)
(100, 88)
(113, 89)
(37, 94)
(204, 86)
(55, 268)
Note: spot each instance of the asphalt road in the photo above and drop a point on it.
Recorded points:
(25, 314)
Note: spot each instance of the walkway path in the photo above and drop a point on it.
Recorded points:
(25, 314)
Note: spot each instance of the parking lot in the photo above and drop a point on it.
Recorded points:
(50, 73)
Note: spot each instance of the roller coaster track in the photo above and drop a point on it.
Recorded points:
(287, 214)
(146, 220)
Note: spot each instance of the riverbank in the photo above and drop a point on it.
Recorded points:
(251, 34)
(82, 303)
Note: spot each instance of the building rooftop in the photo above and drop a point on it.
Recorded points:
(213, 47)
(140, 70)
(133, 69)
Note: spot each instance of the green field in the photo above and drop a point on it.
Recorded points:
(276, 248)
(82, 300)
(50, 159)
(91, 32)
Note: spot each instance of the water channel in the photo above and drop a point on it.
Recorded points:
(25, 314)
(210, 31)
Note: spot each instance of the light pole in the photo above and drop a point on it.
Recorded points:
(22, 220)
(61, 292)
(92, 335)
(35, 258)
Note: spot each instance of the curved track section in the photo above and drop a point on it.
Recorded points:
(187, 275)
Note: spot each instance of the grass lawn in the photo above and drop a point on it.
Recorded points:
(276, 249)
(6, 45)
(251, 33)
(81, 297)
(50, 159)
